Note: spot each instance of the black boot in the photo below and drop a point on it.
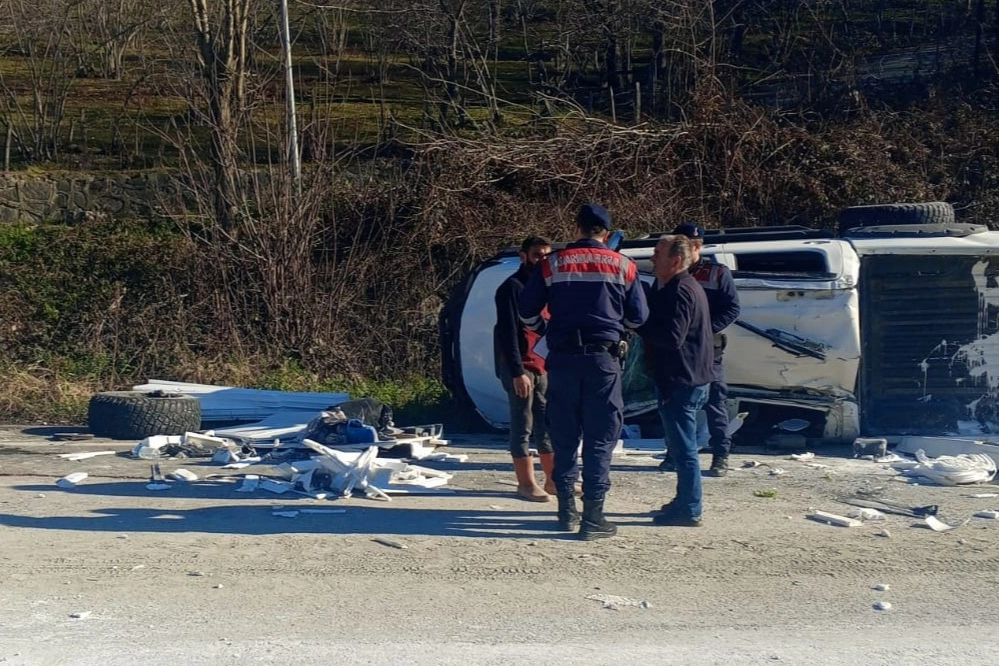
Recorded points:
(719, 465)
(568, 515)
(594, 525)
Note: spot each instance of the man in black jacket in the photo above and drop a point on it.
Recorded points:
(679, 351)
(723, 302)
(522, 373)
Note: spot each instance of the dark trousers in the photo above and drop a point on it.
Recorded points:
(527, 416)
(717, 411)
(584, 400)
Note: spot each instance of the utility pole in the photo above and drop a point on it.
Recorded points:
(292, 126)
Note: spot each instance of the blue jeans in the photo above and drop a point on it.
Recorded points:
(679, 413)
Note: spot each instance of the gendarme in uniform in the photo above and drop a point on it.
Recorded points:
(594, 298)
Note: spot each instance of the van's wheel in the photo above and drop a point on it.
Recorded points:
(936, 212)
(135, 415)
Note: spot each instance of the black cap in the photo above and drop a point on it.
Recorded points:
(593, 215)
(691, 230)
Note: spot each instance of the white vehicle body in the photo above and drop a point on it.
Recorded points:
(901, 335)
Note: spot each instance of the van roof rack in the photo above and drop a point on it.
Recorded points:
(741, 235)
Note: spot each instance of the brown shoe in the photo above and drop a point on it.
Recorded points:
(548, 465)
(527, 485)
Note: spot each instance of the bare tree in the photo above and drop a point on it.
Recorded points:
(221, 31)
(33, 107)
(104, 30)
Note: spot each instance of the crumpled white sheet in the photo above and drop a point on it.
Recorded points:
(951, 470)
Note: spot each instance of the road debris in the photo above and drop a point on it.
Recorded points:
(938, 525)
(982, 495)
(613, 602)
(83, 615)
(390, 543)
(882, 606)
(868, 514)
(833, 519)
(217, 587)
(950, 470)
(768, 493)
(802, 457)
(884, 534)
(882, 587)
(870, 446)
(182, 474)
(71, 480)
(777, 471)
(992, 515)
(250, 483)
(750, 464)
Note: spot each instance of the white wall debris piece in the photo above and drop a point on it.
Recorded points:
(948, 446)
(182, 475)
(833, 519)
(71, 480)
(992, 515)
(951, 470)
(938, 525)
(229, 403)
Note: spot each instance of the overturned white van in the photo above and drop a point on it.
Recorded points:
(889, 329)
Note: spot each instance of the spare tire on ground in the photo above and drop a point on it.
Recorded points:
(935, 212)
(135, 415)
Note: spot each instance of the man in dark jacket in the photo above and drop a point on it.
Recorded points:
(723, 302)
(679, 352)
(594, 297)
(522, 372)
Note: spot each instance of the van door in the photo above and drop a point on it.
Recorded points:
(799, 330)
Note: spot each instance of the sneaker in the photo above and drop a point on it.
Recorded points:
(674, 519)
(719, 466)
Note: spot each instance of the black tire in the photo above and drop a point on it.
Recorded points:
(936, 212)
(135, 415)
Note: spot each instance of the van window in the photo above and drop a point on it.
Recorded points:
(799, 263)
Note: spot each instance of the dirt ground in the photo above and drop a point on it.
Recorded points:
(206, 575)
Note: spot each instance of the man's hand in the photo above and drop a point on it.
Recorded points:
(522, 386)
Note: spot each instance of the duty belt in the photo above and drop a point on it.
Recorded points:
(591, 348)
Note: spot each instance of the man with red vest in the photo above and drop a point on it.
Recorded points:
(522, 372)
(594, 298)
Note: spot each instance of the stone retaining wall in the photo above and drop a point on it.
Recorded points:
(71, 197)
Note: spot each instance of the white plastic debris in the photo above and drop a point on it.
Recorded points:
(250, 483)
(182, 475)
(992, 515)
(951, 470)
(802, 457)
(749, 464)
(777, 471)
(276, 486)
(390, 543)
(882, 606)
(149, 448)
(71, 480)
(85, 456)
(833, 519)
(983, 495)
(614, 601)
(938, 525)
(83, 615)
(882, 587)
(883, 533)
(868, 514)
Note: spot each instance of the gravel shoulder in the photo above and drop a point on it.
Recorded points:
(206, 575)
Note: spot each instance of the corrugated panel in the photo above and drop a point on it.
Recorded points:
(927, 344)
